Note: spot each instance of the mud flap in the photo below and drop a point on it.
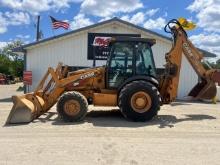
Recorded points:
(25, 109)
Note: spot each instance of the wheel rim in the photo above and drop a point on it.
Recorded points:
(72, 107)
(141, 102)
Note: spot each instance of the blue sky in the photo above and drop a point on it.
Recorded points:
(17, 17)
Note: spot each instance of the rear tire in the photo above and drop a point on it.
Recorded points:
(139, 101)
(72, 107)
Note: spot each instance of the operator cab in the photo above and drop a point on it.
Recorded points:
(129, 57)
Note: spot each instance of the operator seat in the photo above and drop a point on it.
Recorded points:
(141, 69)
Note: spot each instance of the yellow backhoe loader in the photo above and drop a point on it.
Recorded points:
(129, 80)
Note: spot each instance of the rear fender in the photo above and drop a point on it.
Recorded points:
(150, 79)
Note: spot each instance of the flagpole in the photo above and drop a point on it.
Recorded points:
(38, 28)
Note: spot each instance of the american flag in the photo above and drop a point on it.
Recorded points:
(59, 24)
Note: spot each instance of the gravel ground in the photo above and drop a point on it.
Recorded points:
(182, 133)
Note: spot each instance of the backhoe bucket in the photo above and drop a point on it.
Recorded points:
(25, 109)
(204, 90)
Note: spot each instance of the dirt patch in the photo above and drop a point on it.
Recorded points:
(182, 132)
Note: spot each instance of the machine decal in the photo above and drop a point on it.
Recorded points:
(187, 48)
(81, 79)
(191, 56)
(88, 75)
(75, 84)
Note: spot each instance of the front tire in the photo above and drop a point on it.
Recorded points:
(139, 101)
(72, 107)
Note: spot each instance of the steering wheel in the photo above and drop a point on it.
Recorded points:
(118, 65)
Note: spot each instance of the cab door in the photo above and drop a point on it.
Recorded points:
(120, 64)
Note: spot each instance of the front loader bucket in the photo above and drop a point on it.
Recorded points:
(25, 109)
(204, 90)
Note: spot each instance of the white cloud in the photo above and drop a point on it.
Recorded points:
(3, 44)
(14, 18)
(20, 10)
(3, 29)
(80, 21)
(140, 17)
(3, 24)
(17, 18)
(60, 4)
(36, 6)
(20, 36)
(158, 23)
(105, 8)
(209, 42)
(105, 19)
(165, 14)
(152, 12)
(137, 18)
(198, 5)
(207, 13)
(126, 18)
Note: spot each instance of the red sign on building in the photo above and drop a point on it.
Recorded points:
(27, 77)
(102, 41)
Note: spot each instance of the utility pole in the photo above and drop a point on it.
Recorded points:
(38, 29)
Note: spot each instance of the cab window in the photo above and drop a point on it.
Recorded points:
(120, 67)
(144, 60)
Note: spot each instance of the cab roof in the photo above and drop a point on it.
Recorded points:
(133, 39)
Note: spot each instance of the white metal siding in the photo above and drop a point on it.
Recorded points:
(72, 50)
(188, 79)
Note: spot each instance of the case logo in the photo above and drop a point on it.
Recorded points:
(88, 75)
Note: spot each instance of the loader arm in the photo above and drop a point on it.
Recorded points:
(54, 83)
(57, 85)
(205, 89)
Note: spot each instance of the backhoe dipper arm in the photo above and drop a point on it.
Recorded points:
(170, 79)
(194, 57)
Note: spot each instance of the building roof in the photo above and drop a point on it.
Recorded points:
(24, 47)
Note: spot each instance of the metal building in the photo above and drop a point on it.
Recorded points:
(72, 48)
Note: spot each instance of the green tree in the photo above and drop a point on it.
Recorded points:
(218, 64)
(214, 65)
(5, 64)
(10, 62)
(7, 50)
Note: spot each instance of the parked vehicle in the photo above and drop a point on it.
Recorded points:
(3, 79)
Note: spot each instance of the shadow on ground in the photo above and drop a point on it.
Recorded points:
(190, 102)
(6, 100)
(113, 118)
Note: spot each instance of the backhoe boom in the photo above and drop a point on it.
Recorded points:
(205, 89)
